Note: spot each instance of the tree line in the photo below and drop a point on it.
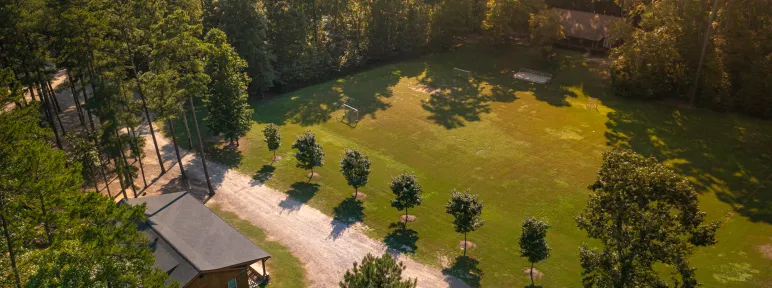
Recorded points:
(715, 54)
(641, 212)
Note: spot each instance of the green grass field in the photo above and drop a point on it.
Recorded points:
(526, 149)
(285, 270)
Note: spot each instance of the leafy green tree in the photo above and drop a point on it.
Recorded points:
(506, 19)
(465, 209)
(355, 167)
(289, 30)
(546, 30)
(377, 272)
(246, 25)
(643, 214)
(533, 243)
(101, 248)
(272, 138)
(226, 103)
(407, 191)
(310, 153)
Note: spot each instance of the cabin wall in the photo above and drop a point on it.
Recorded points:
(220, 279)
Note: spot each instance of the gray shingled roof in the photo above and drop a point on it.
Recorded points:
(192, 238)
(585, 25)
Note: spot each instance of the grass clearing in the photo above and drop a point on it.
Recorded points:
(526, 149)
(285, 270)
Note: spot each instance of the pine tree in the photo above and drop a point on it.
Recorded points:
(377, 272)
(226, 102)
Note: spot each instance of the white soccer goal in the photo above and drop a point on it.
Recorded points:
(461, 73)
(351, 114)
(533, 76)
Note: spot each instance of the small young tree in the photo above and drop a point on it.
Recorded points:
(465, 209)
(643, 214)
(408, 192)
(355, 166)
(272, 138)
(532, 242)
(310, 153)
(377, 272)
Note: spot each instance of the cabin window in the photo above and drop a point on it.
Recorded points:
(232, 283)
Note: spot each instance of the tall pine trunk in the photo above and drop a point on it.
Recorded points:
(85, 98)
(138, 157)
(693, 95)
(176, 149)
(46, 106)
(120, 180)
(147, 115)
(75, 98)
(53, 96)
(187, 130)
(46, 225)
(125, 172)
(201, 147)
(9, 242)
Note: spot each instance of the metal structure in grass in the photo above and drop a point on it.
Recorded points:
(461, 74)
(350, 115)
(533, 76)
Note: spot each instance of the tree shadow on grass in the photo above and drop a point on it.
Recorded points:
(264, 174)
(299, 194)
(401, 238)
(465, 268)
(720, 153)
(346, 214)
(227, 155)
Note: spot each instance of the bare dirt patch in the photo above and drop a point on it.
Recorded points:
(766, 251)
(409, 218)
(469, 245)
(277, 158)
(424, 89)
(314, 175)
(536, 273)
(359, 195)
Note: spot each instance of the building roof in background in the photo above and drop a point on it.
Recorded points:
(585, 25)
(188, 238)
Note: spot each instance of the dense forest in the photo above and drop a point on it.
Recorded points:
(128, 62)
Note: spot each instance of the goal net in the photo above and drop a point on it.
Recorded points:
(533, 76)
(350, 115)
(461, 73)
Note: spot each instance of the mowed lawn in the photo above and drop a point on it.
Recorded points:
(526, 149)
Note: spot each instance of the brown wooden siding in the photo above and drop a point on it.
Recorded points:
(220, 279)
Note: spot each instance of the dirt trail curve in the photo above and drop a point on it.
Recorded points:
(306, 231)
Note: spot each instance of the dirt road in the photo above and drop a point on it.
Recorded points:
(327, 248)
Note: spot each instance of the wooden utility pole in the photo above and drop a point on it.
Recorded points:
(711, 18)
